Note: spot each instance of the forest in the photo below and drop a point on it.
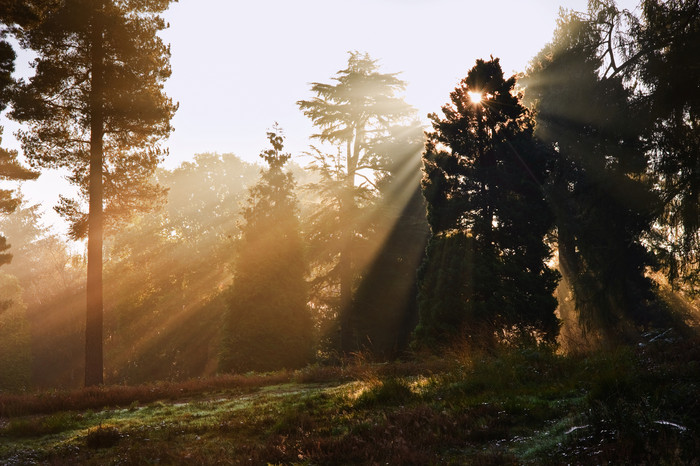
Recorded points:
(516, 283)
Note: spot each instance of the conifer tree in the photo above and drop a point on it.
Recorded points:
(356, 114)
(667, 46)
(485, 278)
(10, 169)
(602, 200)
(268, 325)
(96, 107)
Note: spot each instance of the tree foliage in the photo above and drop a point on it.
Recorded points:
(7, 67)
(52, 282)
(485, 276)
(268, 324)
(667, 44)
(15, 345)
(71, 85)
(358, 114)
(96, 107)
(607, 190)
(10, 167)
(167, 271)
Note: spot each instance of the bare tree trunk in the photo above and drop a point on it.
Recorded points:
(345, 317)
(94, 318)
(345, 266)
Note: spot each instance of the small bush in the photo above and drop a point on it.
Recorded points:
(392, 391)
(103, 437)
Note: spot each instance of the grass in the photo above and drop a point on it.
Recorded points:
(631, 406)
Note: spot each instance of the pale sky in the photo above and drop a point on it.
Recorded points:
(239, 66)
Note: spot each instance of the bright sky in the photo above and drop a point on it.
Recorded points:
(239, 66)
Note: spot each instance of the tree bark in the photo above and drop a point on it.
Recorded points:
(345, 265)
(94, 318)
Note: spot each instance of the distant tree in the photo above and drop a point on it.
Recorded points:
(15, 345)
(268, 325)
(165, 276)
(167, 272)
(96, 107)
(485, 277)
(48, 287)
(356, 114)
(603, 201)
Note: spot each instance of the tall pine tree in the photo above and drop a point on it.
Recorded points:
(485, 278)
(96, 107)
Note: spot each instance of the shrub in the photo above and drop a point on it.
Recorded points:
(103, 437)
(391, 391)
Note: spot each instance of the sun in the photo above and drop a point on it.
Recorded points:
(475, 97)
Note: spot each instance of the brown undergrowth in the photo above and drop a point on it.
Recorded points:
(122, 395)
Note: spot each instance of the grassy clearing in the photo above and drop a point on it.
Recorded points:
(519, 407)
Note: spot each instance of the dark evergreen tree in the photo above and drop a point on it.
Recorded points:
(485, 277)
(599, 192)
(666, 50)
(653, 50)
(268, 325)
(357, 114)
(96, 107)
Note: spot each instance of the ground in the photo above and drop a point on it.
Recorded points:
(521, 406)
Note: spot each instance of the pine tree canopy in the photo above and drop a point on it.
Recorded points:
(125, 83)
(95, 106)
(485, 278)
